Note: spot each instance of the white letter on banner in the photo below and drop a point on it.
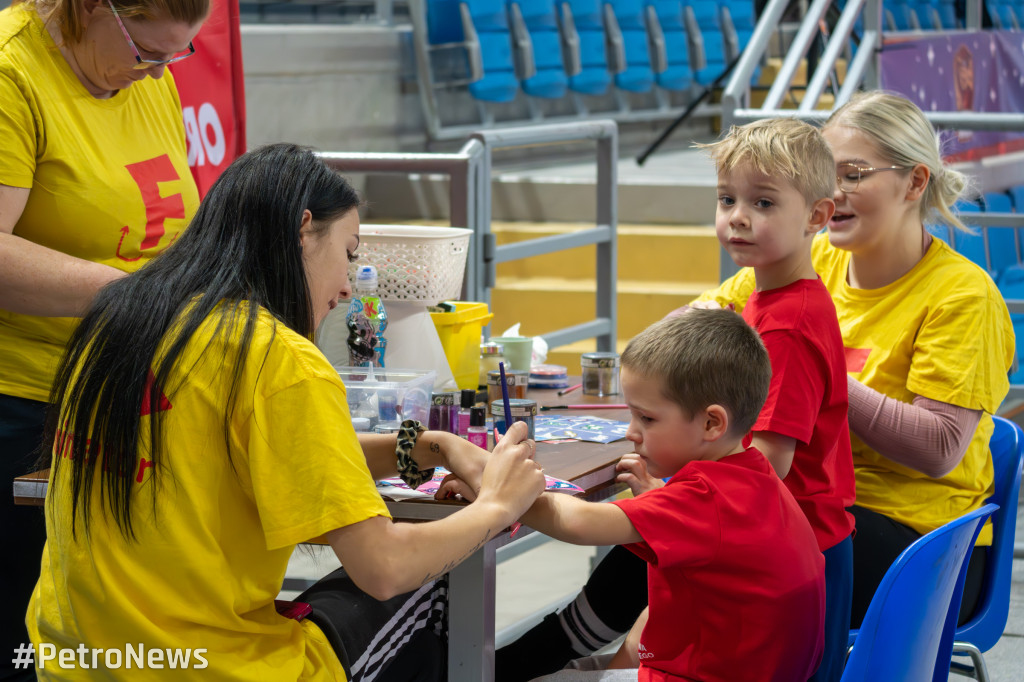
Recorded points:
(138, 657)
(47, 652)
(208, 119)
(195, 142)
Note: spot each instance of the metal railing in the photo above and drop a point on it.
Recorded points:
(470, 199)
(863, 72)
(603, 235)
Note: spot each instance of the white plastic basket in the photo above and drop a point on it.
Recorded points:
(414, 263)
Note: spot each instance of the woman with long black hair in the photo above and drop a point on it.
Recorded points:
(199, 435)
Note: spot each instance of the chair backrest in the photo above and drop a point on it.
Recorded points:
(485, 25)
(625, 24)
(970, 245)
(706, 15)
(909, 625)
(1002, 241)
(986, 625)
(535, 33)
(674, 72)
(583, 25)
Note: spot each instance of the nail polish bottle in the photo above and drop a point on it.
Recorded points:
(476, 433)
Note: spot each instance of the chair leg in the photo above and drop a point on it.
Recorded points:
(980, 671)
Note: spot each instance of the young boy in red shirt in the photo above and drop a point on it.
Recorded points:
(735, 578)
(776, 179)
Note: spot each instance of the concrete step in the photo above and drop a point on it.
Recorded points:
(653, 252)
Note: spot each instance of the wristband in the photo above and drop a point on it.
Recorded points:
(408, 432)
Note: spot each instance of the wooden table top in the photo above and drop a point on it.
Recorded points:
(589, 465)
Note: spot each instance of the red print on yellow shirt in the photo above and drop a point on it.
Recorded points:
(148, 175)
(856, 358)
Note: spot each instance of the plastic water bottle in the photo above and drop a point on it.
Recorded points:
(366, 320)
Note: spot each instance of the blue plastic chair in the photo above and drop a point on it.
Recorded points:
(627, 32)
(1011, 286)
(535, 32)
(970, 245)
(986, 626)
(672, 70)
(706, 17)
(1002, 244)
(485, 23)
(583, 33)
(907, 633)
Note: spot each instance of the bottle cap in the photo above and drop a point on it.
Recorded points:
(491, 348)
(477, 416)
(366, 278)
(468, 398)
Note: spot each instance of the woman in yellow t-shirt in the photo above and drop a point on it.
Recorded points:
(94, 181)
(928, 343)
(202, 436)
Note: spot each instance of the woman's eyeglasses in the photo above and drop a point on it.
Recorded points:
(141, 63)
(849, 175)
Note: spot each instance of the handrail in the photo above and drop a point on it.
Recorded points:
(605, 134)
(836, 44)
(470, 207)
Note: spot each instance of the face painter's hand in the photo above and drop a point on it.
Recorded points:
(512, 478)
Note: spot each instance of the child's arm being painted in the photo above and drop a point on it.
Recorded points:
(579, 522)
(777, 449)
(735, 290)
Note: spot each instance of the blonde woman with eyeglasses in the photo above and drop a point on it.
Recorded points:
(94, 182)
(928, 337)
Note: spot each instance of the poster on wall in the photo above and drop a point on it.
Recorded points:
(979, 71)
(211, 88)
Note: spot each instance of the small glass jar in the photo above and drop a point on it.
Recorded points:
(517, 381)
(491, 354)
(600, 373)
(522, 411)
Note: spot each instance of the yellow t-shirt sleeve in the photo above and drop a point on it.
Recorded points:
(735, 290)
(963, 351)
(309, 475)
(18, 132)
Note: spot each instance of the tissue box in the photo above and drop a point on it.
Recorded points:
(386, 396)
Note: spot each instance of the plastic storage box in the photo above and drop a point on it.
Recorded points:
(460, 333)
(387, 396)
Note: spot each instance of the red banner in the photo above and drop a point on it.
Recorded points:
(212, 92)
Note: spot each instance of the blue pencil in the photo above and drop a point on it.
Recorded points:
(504, 396)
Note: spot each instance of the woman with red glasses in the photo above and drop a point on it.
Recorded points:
(94, 182)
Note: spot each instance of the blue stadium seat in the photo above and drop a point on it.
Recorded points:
(539, 46)
(671, 49)
(1002, 244)
(946, 10)
(444, 25)
(900, 16)
(941, 231)
(1004, 14)
(583, 33)
(1011, 286)
(707, 33)
(972, 246)
(738, 22)
(489, 44)
(627, 34)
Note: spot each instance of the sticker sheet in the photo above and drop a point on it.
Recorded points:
(579, 427)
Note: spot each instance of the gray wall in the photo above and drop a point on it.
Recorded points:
(336, 88)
